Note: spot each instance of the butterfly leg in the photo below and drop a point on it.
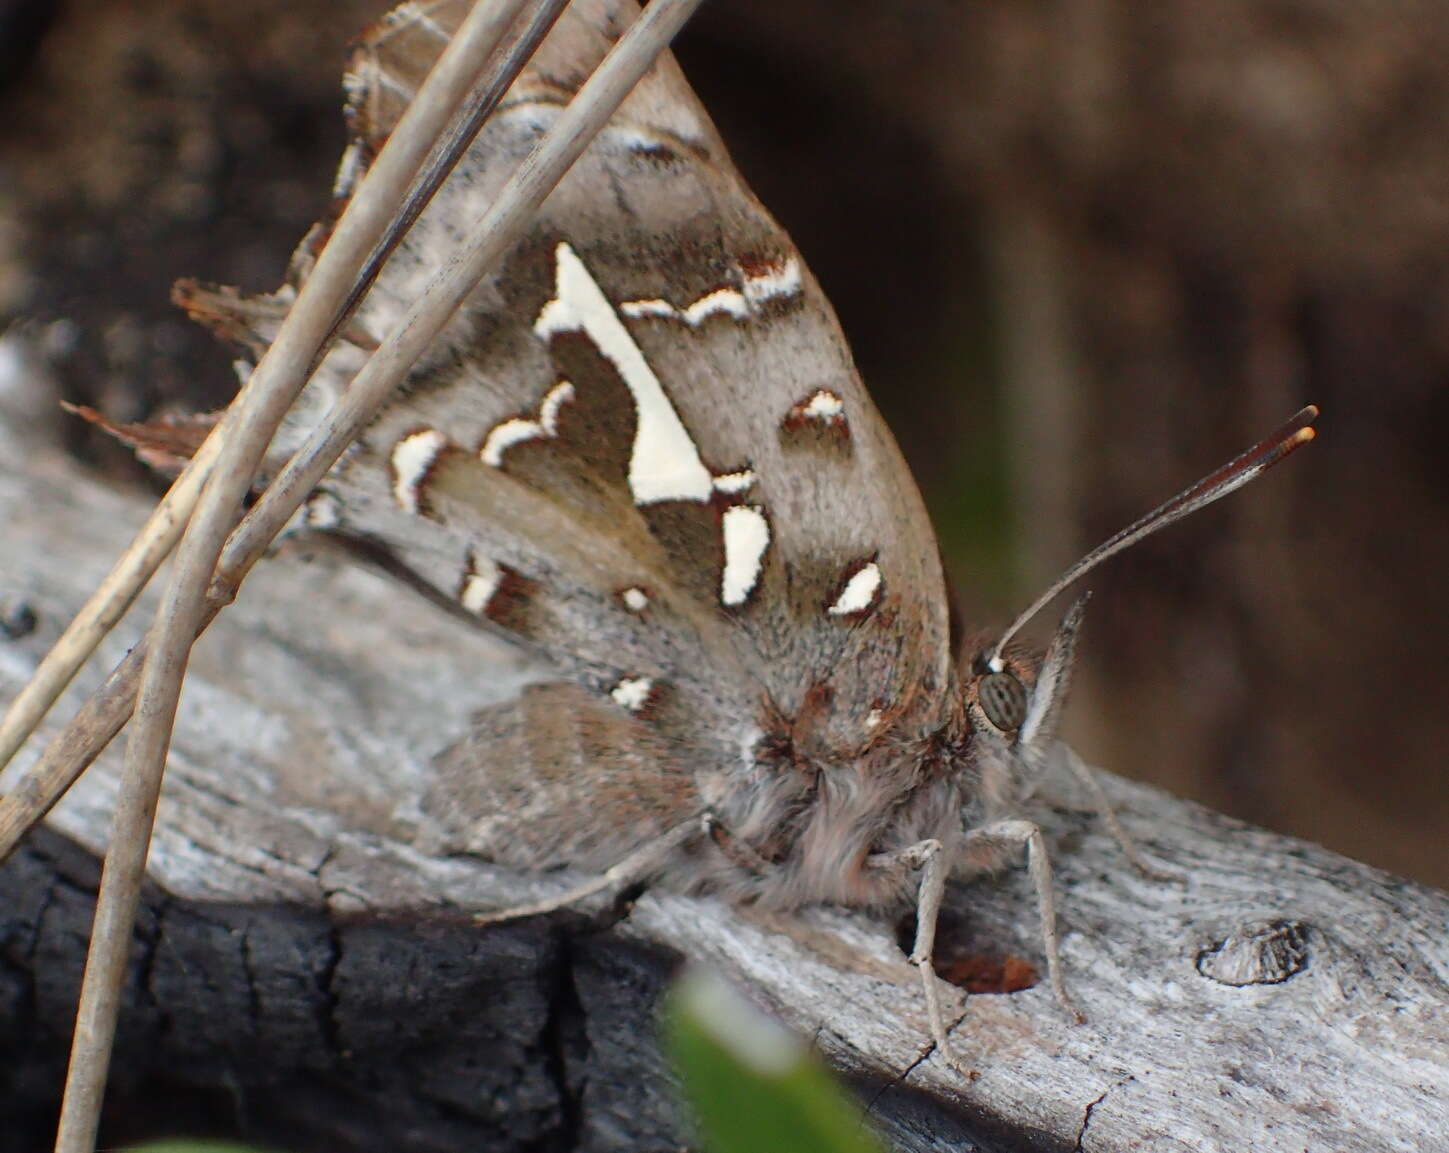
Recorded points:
(740, 853)
(929, 857)
(637, 866)
(1011, 834)
(1108, 816)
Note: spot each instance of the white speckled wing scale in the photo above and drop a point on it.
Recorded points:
(642, 450)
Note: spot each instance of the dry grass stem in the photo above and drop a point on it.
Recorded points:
(261, 406)
(92, 728)
(471, 47)
(259, 409)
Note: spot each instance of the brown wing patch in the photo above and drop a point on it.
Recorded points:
(589, 446)
(817, 422)
(858, 590)
(497, 591)
(414, 459)
(559, 776)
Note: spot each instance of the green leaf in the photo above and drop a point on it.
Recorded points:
(191, 1145)
(754, 1087)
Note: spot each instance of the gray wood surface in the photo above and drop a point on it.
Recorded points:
(306, 972)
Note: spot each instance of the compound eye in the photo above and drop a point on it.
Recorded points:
(1003, 700)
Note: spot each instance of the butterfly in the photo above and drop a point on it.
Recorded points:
(642, 451)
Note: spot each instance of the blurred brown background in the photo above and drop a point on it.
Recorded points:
(1084, 251)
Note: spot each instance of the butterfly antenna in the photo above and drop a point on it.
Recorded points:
(1233, 475)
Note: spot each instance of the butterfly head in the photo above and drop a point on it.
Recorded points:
(1014, 699)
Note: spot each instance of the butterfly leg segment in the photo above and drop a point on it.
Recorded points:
(1108, 816)
(990, 840)
(637, 866)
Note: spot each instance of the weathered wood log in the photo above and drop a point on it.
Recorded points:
(307, 973)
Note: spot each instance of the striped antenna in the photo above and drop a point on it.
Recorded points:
(1232, 476)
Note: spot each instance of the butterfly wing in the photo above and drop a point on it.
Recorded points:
(642, 447)
(521, 786)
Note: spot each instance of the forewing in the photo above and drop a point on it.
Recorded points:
(642, 447)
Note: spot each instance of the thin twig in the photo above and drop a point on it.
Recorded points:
(47, 780)
(182, 614)
(93, 727)
(258, 410)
